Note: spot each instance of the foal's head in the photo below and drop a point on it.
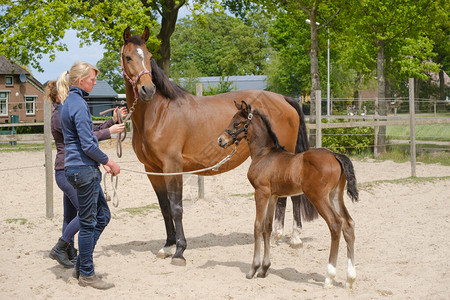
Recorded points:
(238, 127)
(136, 64)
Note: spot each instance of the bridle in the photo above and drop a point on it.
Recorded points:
(242, 129)
(132, 82)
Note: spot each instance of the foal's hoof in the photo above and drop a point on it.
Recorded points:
(176, 261)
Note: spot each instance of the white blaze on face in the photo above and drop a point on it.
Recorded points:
(141, 54)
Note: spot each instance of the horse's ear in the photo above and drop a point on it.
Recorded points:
(146, 34)
(126, 35)
(238, 106)
(245, 107)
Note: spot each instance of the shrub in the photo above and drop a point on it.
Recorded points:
(352, 140)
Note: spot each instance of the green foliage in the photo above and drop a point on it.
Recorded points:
(224, 86)
(217, 45)
(109, 67)
(352, 140)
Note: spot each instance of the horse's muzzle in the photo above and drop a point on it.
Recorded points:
(222, 142)
(147, 91)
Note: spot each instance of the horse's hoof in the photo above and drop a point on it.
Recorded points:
(181, 262)
(328, 283)
(349, 283)
(164, 252)
(296, 243)
(261, 274)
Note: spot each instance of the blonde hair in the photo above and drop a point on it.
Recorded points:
(79, 70)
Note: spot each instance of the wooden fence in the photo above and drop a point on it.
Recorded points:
(356, 121)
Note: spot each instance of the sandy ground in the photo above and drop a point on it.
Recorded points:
(402, 239)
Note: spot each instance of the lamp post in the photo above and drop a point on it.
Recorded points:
(308, 21)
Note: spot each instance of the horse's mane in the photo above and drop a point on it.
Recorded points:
(271, 133)
(164, 85)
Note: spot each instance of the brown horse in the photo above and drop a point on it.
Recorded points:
(174, 131)
(318, 173)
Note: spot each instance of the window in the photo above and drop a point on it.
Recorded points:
(30, 105)
(4, 103)
(9, 80)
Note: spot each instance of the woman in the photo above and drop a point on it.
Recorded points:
(81, 166)
(64, 251)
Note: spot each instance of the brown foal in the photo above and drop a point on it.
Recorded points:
(274, 172)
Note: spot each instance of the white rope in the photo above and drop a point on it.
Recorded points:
(115, 197)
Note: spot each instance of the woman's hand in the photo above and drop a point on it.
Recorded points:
(117, 128)
(123, 112)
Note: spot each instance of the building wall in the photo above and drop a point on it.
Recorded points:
(16, 100)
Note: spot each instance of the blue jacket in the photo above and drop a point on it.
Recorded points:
(76, 122)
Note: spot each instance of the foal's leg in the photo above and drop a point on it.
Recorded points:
(266, 235)
(334, 222)
(348, 229)
(261, 199)
(296, 241)
(278, 224)
(160, 188)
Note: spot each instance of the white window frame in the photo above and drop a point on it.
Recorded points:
(33, 102)
(12, 81)
(6, 101)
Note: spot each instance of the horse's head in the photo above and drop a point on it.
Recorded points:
(136, 64)
(238, 127)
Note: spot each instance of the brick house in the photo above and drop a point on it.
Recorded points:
(21, 95)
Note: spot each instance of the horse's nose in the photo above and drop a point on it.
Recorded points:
(147, 91)
(221, 142)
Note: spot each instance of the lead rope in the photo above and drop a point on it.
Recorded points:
(115, 197)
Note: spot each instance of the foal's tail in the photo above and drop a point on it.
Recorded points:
(347, 166)
(309, 212)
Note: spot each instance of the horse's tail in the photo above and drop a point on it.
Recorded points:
(347, 166)
(309, 212)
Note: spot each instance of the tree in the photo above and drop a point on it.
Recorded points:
(217, 45)
(388, 34)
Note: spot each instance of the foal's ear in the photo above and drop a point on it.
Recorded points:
(238, 106)
(126, 35)
(146, 34)
(246, 107)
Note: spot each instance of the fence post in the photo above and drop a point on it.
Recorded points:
(375, 131)
(412, 128)
(200, 179)
(318, 119)
(48, 159)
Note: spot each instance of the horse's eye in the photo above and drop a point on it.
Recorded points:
(128, 58)
(236, 124)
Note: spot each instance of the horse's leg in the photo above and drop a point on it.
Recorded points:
(175, 195)
(334, 222)
(160, 188)
(261, 199)
(348, 229)
(278, 224)
(296, 241)
(266, 235)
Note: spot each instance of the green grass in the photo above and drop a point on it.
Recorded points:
(424, 132)
(141, 210)
(4, 147)
(20, 221)
(249, 195)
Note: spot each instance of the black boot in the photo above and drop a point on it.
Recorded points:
(72, 254)
(59, 253)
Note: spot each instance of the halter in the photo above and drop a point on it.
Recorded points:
(242, 129)
(132, 82)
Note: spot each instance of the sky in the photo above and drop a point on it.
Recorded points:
(64, 60)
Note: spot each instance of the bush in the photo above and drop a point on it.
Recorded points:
(352, 140)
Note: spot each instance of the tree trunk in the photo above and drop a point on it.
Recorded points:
(382, 111)
(169, 15)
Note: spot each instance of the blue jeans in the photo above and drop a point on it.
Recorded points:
(71, 224)
(93, 212)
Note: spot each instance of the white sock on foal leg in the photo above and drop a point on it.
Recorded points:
(351, 274)
(331, 273)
